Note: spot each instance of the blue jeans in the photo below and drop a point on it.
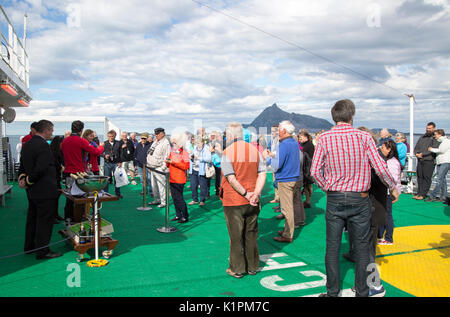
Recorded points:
(441, 186)
(199, 180)
(108, 170)
(389, 227)
(355, 210)
(148, 188)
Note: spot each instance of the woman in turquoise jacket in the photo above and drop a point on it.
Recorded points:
(401, 149)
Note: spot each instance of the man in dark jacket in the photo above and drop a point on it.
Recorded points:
(38, 176)
(127, 154)
(112, 159)
(425, 161)
(141, 158)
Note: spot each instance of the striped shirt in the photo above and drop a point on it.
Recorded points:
(343, 159)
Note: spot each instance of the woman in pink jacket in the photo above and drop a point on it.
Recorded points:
(389, 150)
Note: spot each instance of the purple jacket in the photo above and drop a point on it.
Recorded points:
(395, 170)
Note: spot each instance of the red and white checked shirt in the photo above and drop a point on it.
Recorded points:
(343, 159)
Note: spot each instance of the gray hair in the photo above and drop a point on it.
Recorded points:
(288, 126)
(198, 139)
(235, 130)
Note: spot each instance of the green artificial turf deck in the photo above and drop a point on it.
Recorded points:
(190, 262)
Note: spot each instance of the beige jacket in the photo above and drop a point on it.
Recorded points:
(157, 155)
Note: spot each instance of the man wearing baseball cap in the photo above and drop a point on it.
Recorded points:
(156, 159)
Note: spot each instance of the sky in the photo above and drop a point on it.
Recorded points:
(178, 64)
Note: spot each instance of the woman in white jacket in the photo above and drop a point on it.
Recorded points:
(389, 150)
(442, 166)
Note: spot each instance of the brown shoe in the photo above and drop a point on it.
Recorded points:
(280, 233)
(236, 275)
(282, 239)
(280, 216)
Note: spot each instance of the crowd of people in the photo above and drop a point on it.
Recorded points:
(360, 174)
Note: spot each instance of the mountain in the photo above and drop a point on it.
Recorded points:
(274, 115)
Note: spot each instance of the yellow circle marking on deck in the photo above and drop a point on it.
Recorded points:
(419, 260)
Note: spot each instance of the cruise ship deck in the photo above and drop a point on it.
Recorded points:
(191, 262)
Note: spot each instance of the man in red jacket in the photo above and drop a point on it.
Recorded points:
(74, 149)
(30, 135)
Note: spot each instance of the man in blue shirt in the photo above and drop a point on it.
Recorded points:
(288, 179)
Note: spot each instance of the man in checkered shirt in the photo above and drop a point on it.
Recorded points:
(341, 167)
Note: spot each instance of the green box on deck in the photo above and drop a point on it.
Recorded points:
(106, 228)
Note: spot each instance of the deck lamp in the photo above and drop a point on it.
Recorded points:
(23, 102)
(9, 89)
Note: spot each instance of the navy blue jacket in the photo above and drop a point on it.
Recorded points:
(141, 153)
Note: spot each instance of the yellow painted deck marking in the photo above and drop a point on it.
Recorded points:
(419, 261)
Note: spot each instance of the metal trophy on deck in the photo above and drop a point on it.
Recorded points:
(93, 184)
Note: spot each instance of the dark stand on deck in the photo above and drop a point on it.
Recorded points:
(82, 206)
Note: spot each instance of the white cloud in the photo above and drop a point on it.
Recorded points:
(169, 59)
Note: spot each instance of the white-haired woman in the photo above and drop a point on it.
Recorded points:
(178, 164)
(197, 170)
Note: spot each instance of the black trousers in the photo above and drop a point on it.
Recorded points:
(424, 173)
(38, 230)
(218, 179)
(178, 200)
(57, 203)
(68, 208)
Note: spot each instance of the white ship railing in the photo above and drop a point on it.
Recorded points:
(13, 51)
(412, 186)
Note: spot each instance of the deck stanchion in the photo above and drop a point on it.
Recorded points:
(167, 228)
(144, 190)
(97, 262)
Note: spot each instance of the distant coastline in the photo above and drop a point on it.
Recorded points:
(15, 139)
